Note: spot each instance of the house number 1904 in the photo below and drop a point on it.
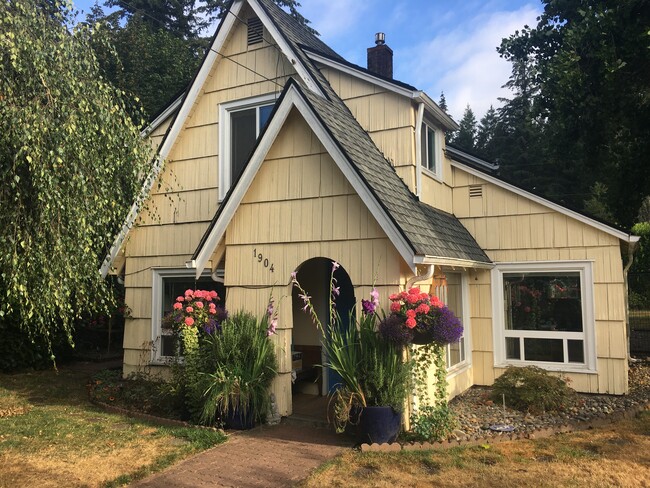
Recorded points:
(262, 260)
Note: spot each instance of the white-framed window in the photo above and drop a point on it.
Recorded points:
(454, 293)
(240, 124)
(431, 147)
(544, 315)
(168, 284)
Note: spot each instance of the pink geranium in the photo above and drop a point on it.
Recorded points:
(178, 306)
(189, 309)
(189, 321)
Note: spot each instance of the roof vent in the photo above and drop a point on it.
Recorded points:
(475, 191)
(380, 57)
(255, 30)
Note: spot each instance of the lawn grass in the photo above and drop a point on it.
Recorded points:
(616, 455)
(51, 435)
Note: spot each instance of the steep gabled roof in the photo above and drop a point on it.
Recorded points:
(416, 229)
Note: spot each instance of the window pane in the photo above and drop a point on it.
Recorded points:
(454, 354)
(423, 148)
(544, 350)
(576, 351)
(167, 345)
(242, 139)
(543, 301)
(431, 150)
(265, 113)
(174, 287)
(513, 348)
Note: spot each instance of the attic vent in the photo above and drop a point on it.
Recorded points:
(475, 191)
(255, 30)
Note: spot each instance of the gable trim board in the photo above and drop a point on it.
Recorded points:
(395, 87)
(289, 99)
(619, 234)
(186, 102)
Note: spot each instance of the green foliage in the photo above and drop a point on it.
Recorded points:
(73, 163)
(581, 112)
(232, 369)
(465, 138)
(433, 422)
(532, 389)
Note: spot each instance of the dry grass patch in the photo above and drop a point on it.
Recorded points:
(618, 455)
(63, 440)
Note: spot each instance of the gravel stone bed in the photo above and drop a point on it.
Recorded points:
(475, 412)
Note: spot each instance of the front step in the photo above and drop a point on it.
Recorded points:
(305, 420)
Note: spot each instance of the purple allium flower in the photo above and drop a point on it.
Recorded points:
(367, 306)
(392, 329)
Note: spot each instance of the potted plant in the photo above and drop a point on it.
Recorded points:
(228, 362)
(238, 364)
(375, 375)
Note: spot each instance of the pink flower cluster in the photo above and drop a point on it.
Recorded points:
(191, 307)
(414, 304)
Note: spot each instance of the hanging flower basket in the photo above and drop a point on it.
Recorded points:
(420, 318)
(423, 336)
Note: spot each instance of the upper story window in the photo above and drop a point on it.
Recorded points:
(241, 123)
(545, 315)
(431, 150)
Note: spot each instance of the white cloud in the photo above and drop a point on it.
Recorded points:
(463, 61)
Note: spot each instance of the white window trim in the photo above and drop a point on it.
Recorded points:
(584, 268)
(159, 274)
(224, 134)
(437, 172)
(464, 365)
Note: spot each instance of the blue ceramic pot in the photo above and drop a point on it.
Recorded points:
(378, 425)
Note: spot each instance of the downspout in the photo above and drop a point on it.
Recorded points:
(418, 150)
(631, 247)
(418, 278)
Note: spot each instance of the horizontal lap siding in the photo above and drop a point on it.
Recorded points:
(187, 198)
(511, 227)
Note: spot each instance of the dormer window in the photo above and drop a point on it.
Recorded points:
(431, 150)
(241, 123)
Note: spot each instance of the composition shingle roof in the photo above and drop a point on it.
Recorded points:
(429, 231)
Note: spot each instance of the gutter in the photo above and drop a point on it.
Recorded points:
(419, 278)
(631, 247)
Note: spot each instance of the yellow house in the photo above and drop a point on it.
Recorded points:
(286, 158)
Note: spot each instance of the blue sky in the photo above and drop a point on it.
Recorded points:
(439, 45)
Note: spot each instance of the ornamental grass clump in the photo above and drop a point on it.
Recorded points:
(223, 363)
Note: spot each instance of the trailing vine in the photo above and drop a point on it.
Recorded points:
(432, 419)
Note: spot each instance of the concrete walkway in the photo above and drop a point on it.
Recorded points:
(268, 456)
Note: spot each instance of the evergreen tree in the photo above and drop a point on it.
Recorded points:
(465, 137)
(443, 103)
(485, 135)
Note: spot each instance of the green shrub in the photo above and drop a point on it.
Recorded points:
(532, 389)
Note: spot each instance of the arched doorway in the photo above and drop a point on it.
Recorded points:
(314, 276)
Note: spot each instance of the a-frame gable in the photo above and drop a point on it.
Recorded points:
(290, 99)
(186, 103)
